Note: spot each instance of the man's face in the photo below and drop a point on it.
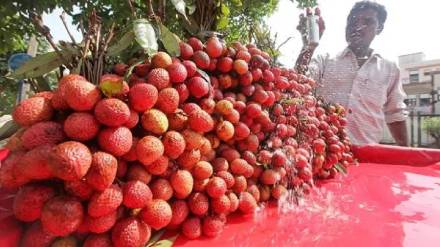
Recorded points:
(362, 28)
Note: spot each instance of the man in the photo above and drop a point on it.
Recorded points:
(361, 80)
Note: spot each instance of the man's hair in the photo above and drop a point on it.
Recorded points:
(379, 8)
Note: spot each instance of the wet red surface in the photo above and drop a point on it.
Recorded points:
(377, 204)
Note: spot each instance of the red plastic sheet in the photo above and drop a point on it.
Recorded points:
(377, 204)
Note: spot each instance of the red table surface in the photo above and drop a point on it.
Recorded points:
(391, 199)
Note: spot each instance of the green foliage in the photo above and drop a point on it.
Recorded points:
(432, 126)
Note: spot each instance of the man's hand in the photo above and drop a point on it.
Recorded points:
(302, 27)
(399, 133)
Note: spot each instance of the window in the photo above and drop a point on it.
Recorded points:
(425, 102)
(410, 102)
(413, 76)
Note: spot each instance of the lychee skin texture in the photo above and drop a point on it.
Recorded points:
(180, 211)
(101, 224)
(102, 172)
(198, 87)
(174, 144)
(168, 100)
(161, 60)
(79, 188)
(136, 194)
(212, 226)
(159, 167)
(29, 201)
(32, 110)
(191, 68)
(35, 236)
(42, 133)
(155, 121)
(216, 187)
(182, 183)
(142, 97)
(201, 59)
(130, 232)
(98, 240)
(149, 149)
(198, 203)
(157, 214)
(177, 72)
(159, 78)
(81, 126)
(161, 189)
(116, 141)
(62, 215)
(34, 164)
(133, 120)
(112, 112)
(105, 202)
(58, 102)
(82, 95)
(247, 203)
(186, 51)
(201, 121)
(192, 228)
(70, 160)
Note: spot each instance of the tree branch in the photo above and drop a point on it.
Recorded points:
(150, 10)
(63, 19)
(133, 12)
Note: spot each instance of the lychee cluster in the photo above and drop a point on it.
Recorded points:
(185, 142)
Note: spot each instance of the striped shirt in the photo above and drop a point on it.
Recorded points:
(373, 92)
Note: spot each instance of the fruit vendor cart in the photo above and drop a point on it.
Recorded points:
(390, 199)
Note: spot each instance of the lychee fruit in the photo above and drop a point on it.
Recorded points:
(200, 121)
(177, 72)
(192, 228)
(29, 201)
(102, 172)
(32, 110)
(149, 149)
(101, 224)
(81, 95)
(81, 126)
(155, 121)
(168, 100)
(216, 187)
(198, 203)
(34, 164)
(161, 189)
(159, 78)
(136, 194)
(186, 51)
(198, 87)
(116, 141)
(182, 183)
(104, 202)
(42, 133)
(130, 232)
(112, 112)
(142, 97)
(161, 60)
(159, 166)
(62, 215)
(157, 214)
(201, 59)
(70, 160)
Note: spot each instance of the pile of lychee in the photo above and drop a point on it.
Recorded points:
(183, 143)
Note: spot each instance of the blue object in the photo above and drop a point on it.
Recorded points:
(17, 60)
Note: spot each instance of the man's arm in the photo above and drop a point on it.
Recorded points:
(303, 60)
(399, 132)
(395, 110)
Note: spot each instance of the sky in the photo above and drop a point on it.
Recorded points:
(409, 28)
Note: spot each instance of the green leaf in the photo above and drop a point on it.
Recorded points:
(43, 64)
(180, 7)
(204, 75)
(222, 23)
(145, 36)
(165, 242)
(156, 236)
(225, 10)
(123, 43)
(237, 3)
(341, 168)
(169, 40)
